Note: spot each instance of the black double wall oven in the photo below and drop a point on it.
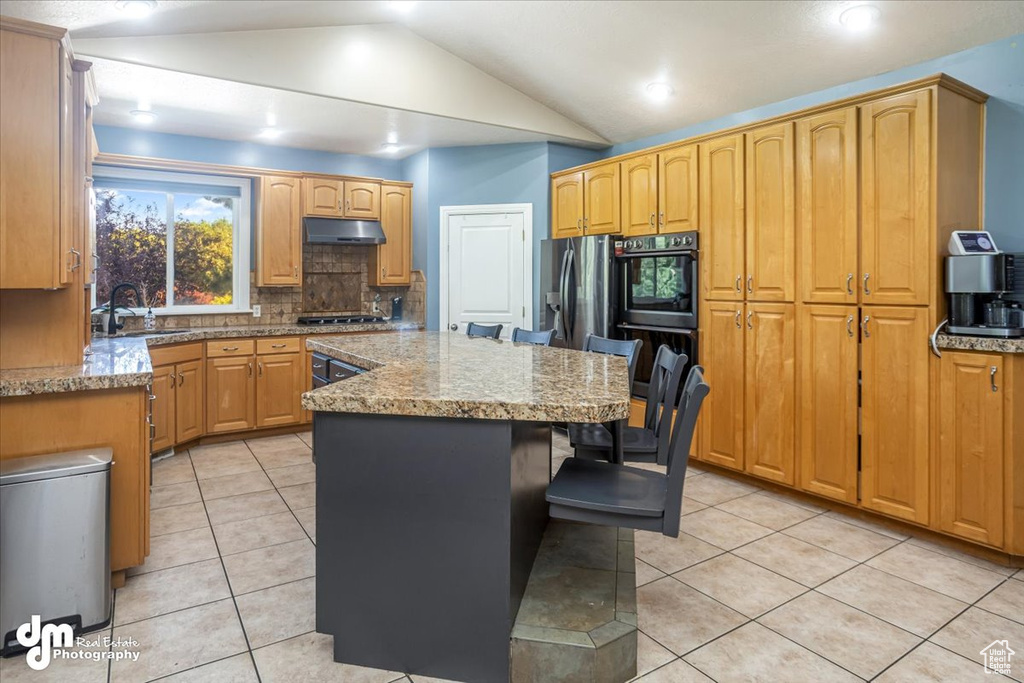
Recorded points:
(658, 298)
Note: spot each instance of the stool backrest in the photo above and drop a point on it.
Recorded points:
(530, 337)
(662, 394)
(478, 330)
(630, 350)
(695, 389)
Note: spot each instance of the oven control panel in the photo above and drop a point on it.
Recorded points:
(684, 241)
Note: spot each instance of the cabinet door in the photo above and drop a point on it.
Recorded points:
(391, 262)
(826, 150)
(279, 251)
(323, 197)
(601, 194)
(721, 218)
(362, 200)
(722, 413)
(307, 382)
(896, 256)
(278, 389)
(567, 206)
(230, 394)
(770, 426)
(188, 411)
(770, 215)
(163, 407)
(677, 189)
(640, 196)
(68, 176)
(894, 410)
(971, 447)
(827, 349)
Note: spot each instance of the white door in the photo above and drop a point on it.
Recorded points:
(487, 269)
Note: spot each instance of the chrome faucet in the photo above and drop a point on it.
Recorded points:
(112, 326)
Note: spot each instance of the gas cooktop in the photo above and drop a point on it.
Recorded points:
(341, 320)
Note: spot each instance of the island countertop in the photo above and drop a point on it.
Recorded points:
(438, 374)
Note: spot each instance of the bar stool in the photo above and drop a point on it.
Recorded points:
(531, 337)
(478, 330)
(630, 350)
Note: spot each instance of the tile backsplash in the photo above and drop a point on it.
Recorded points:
(334, 282)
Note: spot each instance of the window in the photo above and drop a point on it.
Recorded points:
(182, 239)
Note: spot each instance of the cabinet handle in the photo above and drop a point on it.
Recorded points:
(152, 397)
(339, 205)
(849, 283)
(172, 379)
(864, 326)
(992, 377)
(78, 259)
(278, 346)
(296, 271)
(661, 219)
(579, 224)
(739, 283)
(749, 314)
(250, 369)
(750, 283)
(652, 220)
(738, 316)
(318, 366)
(181, 380)
(229, 348)
(866, 290)
(260, 366)
(383, 271)
(849, 326)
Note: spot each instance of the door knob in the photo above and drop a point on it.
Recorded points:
(453, 327)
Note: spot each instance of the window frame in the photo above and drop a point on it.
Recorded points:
(241, 237)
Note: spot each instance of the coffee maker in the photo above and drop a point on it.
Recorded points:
(985, 292)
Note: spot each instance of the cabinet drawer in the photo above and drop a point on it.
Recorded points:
(179, 353)
(279, 345)
(230, 347)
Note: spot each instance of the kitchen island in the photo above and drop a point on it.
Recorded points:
(431, 473)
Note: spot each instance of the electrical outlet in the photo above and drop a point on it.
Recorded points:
(256, 311)
(376, 307)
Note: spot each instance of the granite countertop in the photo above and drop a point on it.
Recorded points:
(110, 364)
(437, 374)
(963, 342)
(119, 362)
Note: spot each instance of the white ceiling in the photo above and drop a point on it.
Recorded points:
(454, 73)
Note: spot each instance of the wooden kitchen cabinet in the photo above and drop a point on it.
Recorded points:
(362, 200)
(567, 206)
(188, 401)
(827, 226)
(677, 189)
(895, 451)
(390, 264)
(279, 387)
(230, 393)
(177, 407)
(640, 196)
(722, 437)
(770, 403)
(827, 349)
(896, 196)
(601, 200)
(770, 214)
(279, 233)
(162, 408)
(721, 218)
(323, 197)
(972, 449)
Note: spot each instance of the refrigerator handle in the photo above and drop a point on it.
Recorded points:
(562, 296)
(570, 301)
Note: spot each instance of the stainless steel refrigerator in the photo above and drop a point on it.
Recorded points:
(577, 288)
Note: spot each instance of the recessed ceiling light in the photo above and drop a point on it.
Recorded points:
(392, 138)
(659, 92)
(403, 6)
(136, 8)
(143, 116)
(270, 133)
(860, 17)
(389, 148)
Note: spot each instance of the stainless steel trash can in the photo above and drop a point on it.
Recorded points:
(55, 541)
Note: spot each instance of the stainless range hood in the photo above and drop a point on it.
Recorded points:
(337, 231)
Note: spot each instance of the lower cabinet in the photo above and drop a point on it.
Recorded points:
(230, 394)
(279, 389)
(722, 439)
(162, 408)
(971, 455)
(188, 401)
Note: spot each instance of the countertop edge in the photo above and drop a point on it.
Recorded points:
(960, 342)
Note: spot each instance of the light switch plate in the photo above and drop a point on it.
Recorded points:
(256, 311)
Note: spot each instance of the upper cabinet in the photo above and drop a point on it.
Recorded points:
(640, 196)
(826, 150)
(770, 215)
(391, 263)
(721, 218)
(601, 193)
(323, 197)
(279, 234)
(362, 200)
(896, 190)
(677, 189)
(567, 206)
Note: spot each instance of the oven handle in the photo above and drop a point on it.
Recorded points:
(659, 253)
(686, 331)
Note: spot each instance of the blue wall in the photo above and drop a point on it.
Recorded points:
(996, 68)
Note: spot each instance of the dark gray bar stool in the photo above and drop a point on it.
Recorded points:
(478, 330)
(617, 495)
(531, 337)
(639, 444)
(630, 350)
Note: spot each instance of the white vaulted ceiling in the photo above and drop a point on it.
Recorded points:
(341, 76)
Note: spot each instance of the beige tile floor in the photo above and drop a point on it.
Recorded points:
(758, 587)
